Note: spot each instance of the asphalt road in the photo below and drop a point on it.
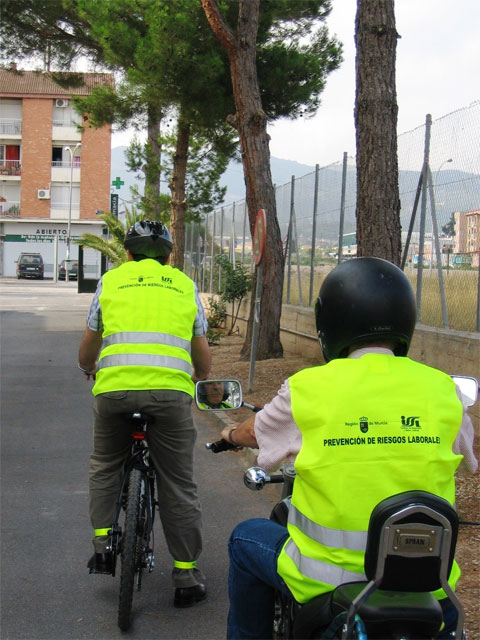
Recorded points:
(46, 591)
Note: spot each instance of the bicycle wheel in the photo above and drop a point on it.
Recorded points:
(130, 548)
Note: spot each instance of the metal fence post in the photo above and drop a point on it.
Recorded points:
(342, 208)
(244, 233)
(192, 231)
(212, 251)
(437, 250)
(221, 251)
(233, 235)
(314, 234)
(205, 247)
(423, 210)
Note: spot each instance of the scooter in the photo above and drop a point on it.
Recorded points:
(409, 553)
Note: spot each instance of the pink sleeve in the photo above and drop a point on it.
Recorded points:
(277, 434)
(463, 444)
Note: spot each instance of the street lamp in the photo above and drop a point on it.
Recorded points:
(439, 169)
(434, 190)
(72, 154)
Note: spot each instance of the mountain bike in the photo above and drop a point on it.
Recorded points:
(132, 530)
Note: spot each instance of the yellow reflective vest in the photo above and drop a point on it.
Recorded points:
(371, 427)
(148, 313)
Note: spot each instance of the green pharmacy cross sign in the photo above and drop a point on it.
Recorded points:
(117, 183)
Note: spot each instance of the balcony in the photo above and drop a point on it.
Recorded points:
(66, 130)
(62, 170)
(9, 209)
(10, 127)
(60, 210)
(10, 168)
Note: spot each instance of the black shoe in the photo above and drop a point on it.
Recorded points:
(101, 563)
(188, 596)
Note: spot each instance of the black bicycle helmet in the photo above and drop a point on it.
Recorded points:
(365, 300)
(149, 238)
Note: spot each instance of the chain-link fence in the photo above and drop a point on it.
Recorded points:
(439, 182)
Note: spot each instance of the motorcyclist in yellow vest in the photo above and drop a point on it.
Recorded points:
(214, 395)
(145, 343)
(369, 424)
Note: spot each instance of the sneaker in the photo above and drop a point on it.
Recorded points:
(101, 563)
(188, 596)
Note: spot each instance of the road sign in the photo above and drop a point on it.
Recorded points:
(117, 183)
(259, 236)
(114, 204)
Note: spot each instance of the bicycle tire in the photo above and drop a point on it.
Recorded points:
(129, 550)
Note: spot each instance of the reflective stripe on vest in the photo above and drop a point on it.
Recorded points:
(353, 540)
(144, 360)
(146, 337)
(321, 571)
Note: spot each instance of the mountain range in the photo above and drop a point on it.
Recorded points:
(455, 191)
(282, 171)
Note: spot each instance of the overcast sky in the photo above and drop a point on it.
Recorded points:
(438, 58)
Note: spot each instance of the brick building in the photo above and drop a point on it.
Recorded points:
(467, 236)
(54, 176)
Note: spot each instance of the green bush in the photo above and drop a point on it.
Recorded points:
(237, 283)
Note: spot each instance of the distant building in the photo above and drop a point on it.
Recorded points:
(467, 235)
(51, 171)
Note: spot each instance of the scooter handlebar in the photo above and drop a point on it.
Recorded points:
(219, 445)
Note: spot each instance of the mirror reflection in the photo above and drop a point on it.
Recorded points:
(218, 395)
(469, 388)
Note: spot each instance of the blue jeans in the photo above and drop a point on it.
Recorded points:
(254, 548)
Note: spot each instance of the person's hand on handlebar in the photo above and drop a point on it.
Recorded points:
(243, 435)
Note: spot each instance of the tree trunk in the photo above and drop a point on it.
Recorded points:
(177, 187)
(152, 166)
(378, 201)
(251, 123)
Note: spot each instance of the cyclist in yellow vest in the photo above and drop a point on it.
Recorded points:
(369, 424)
(145, 343)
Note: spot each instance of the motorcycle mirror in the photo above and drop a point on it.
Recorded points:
(255, 478)
(469, 388)
(218, 395)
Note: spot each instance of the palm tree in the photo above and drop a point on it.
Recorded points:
(112, 245)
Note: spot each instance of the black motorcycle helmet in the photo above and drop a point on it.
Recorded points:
(149, 239)
(365, 300)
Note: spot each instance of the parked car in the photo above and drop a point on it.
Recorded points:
(30, 265)
(72, 271)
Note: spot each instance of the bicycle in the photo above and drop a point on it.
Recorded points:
(136, 504)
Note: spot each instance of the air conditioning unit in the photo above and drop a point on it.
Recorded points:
(61, 102)
(44, 194)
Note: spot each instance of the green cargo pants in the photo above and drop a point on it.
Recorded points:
(171, 439)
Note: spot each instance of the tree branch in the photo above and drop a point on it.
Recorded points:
(220, 28)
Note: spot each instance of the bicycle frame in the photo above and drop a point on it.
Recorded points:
(138, 458)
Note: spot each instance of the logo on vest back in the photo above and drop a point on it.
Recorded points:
(363, 424)
(410, 423)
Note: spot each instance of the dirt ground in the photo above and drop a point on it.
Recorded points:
(269, 375)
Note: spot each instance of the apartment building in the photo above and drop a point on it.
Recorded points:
(467, 236)
(54, 168)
